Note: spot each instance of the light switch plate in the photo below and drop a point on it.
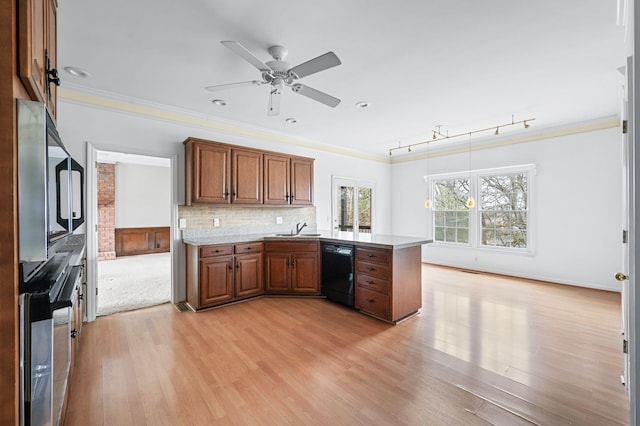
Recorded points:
(182, 223)
(278, 220)
(216, 222)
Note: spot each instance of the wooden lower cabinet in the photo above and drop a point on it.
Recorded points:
(133, 241)
(291, 267)
(388, 282)
(219, 274)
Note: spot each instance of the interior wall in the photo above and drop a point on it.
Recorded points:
(115, 131)
(143, 195)
(576, 208)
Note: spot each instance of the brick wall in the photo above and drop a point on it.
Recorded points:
(106, 211)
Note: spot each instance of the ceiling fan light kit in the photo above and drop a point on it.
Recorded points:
(279, 75)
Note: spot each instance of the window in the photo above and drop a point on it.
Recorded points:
(501, 218)
(352, 206)
(450, 214)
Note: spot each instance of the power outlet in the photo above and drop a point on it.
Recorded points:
(278, 220)
(216, 222)
(182, 223)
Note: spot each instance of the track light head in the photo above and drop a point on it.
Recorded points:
(497, 132)
(390, 153)
(434, 136)
(409, 149)
(526, 126)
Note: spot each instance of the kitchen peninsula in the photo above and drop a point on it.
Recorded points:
(226, 268)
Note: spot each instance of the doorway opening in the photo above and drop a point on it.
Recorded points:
(133, 232)
(353, 205)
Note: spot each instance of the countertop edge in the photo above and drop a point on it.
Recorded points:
(262, 238)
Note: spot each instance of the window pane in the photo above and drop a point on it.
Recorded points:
(504, 203)
(439, 233)
(450, 235)
(463, 235)
(364, 210)
(463, 219)
(439, 218)
(345, 210)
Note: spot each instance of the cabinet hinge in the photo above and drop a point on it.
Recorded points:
(624, 236)
(624, 127)
(625, 346)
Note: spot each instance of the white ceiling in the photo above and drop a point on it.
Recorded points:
(462, 64)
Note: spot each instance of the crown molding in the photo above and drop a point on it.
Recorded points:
(80, 95)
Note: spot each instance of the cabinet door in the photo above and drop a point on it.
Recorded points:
(277, 273)
(276, 179)
(211, 174)
(249, 275)
(304, 273)
(216, 279)
(32, 45)
(301, 181)
(247, 177)
(51, 46)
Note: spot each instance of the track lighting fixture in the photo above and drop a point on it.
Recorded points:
(438, 135)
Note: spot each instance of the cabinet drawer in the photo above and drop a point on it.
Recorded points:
(209, 251)
(372, 302)
(290, 246)
(373, 269)
(373, 255)
(248, 248)
(373, 283)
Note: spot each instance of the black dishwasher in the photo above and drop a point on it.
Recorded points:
(337, 273)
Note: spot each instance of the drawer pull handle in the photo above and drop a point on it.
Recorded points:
(371, 300)
(371, 255)
(371, 269)
(217, 251)
(371, 282)
(249, 248)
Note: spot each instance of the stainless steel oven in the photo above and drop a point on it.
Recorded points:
(45, 340)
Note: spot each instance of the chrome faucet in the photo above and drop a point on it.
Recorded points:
(299, 228)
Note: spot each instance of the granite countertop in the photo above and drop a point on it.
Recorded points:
(370, 240)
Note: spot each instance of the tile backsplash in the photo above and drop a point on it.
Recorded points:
(244, 220)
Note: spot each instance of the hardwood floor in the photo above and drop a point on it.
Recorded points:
(485, 349)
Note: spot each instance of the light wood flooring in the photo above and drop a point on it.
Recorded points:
(485, 349)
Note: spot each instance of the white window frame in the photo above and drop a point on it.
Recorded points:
(474, 214)
(356, 183)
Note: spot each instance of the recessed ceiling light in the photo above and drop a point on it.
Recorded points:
(362, 104)
(77, 72)
(291, 120)
(219, 102)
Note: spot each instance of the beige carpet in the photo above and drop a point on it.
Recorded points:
(133, 282)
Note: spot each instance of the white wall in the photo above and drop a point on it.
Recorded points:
(109, 130)
(143, 195)
(576, 208)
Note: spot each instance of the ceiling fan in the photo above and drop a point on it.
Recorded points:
(278, 74)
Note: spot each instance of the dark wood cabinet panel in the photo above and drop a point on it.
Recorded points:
(277, 273)
(247, 177)
(38, 49)
(301, 182)
(305, 273)
(217, 173)
(216, 280)
(133, 241)
(276, 179)
(248, 275)
(292, 267)
(388, 282)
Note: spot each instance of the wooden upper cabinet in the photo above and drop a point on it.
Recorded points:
(276, 179)
(207, 173)
(247, 177)
(302, 181)
(217, 173)
(37, 44)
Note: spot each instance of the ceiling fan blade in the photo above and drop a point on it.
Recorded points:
(232, 85)
(316, 95)
(245, 54)
(312, 66)
(274, 102)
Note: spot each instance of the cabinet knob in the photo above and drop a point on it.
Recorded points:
(371, 255)
(74, 333)
(371, 300)
(370, 282)
(371, 269)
